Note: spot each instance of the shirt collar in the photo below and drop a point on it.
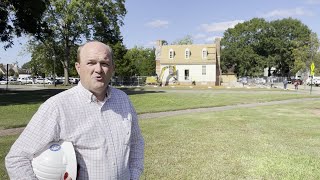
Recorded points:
(89, 96)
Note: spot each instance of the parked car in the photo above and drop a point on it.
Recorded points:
(73, 80)
(25, 80)
(259, 80)
(315, 81)
(3, 80)
(43, 81)
(243, 80)
(300, 82)
(289, 80)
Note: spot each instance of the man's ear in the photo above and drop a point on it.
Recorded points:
(114, 69)
(77, 66)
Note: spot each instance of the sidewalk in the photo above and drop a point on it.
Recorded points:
(301, 88)
(145, 116)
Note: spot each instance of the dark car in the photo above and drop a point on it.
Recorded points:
(299, 81)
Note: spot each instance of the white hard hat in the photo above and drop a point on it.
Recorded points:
(54, 160)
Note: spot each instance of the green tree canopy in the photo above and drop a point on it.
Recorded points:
(140, 61)
(184, 41)
(75, 20)
(304, 54)
(17, 17)
(256, 44)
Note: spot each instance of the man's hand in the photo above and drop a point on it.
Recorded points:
(66, 176)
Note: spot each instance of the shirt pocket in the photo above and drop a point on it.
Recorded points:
(127, 123)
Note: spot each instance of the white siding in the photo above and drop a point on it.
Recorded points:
(195, 74)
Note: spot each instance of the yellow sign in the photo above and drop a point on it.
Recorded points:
(312, 69)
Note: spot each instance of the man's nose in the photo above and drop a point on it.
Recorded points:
(98, 68)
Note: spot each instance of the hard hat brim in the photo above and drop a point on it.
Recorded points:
(54, 160)
(71, 159)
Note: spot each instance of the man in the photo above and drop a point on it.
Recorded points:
(99, 120)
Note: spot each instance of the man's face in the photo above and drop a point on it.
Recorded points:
(96, 67)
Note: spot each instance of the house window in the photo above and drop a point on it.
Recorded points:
(186, 74)
(171, 54)
(204, 70)
(204, 53)
(187, 53)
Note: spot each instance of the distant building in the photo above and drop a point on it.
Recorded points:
(188, 64)
(14, 67)
(2, 69)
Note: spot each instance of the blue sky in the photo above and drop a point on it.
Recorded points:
(150, 20)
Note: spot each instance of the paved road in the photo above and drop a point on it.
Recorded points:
(186, 111)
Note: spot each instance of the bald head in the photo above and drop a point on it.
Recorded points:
(95, 67)
(93, 44)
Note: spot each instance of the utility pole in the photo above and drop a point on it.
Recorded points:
(54, 70)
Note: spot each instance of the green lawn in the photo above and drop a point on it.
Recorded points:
(158, 102)
(17, 107)
(5, 144)
(270, 142)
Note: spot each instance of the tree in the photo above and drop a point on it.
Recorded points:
(11, 72)
(141, 62)
(38, 63)
(26, 65)
(72, 21)
(283, 37)
(42, 60)
(256, 44)
(184, 41)
(148, 64)
(122, 64)
(17, 17)
(242, 48)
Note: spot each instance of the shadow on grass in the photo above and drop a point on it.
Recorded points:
(140, 90)
(17, 97)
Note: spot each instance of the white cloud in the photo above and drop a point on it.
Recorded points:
(158, 24)
(219, 27)
(150, 44)
(212, 38)
(313, 1)
(288, 13)
(199, 36)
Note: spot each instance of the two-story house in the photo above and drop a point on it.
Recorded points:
(188, 64)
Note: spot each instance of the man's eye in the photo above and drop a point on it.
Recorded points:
(105, 64)
(91, 63)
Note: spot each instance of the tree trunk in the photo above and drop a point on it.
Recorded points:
(66, 64)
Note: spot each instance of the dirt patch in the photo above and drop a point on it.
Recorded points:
(13, 131)
(316, 111)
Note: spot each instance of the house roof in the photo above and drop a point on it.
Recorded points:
(2, 70)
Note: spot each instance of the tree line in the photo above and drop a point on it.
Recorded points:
(287, 45)
(58, 27)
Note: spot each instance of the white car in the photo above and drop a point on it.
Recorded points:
(43, 81)
(25, 80)
(73, 80)
(315, 81)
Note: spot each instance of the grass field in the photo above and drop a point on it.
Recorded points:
(269, 142)
(17, 107)
(272, 142)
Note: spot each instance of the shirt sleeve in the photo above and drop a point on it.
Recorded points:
(136, 157)
(40, 131)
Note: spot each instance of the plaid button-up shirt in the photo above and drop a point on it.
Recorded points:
(106, 137)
